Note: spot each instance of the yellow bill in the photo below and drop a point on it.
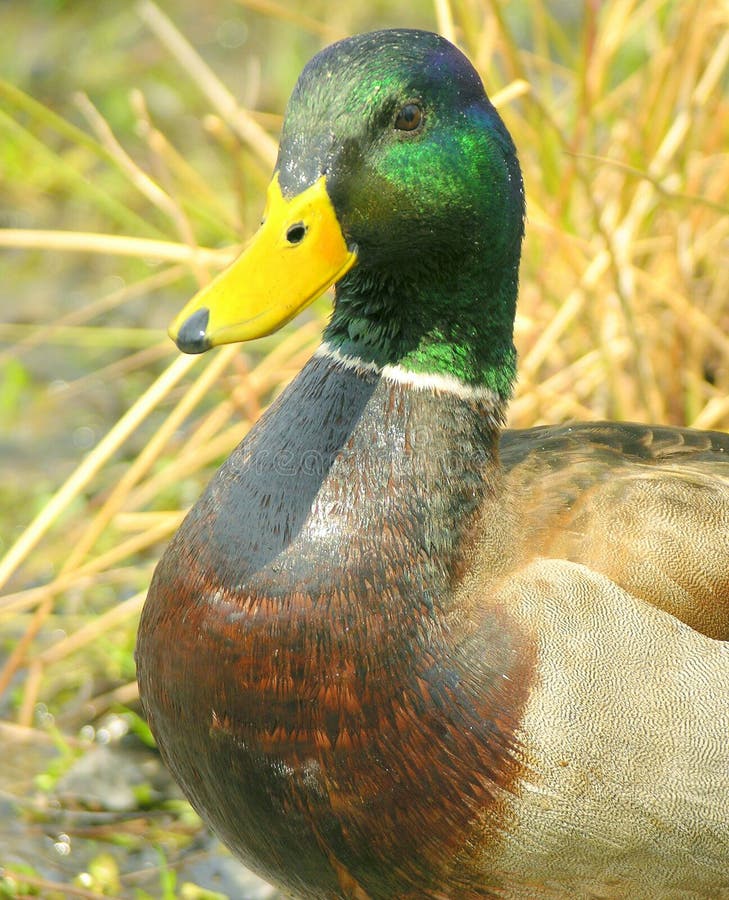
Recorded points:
(297, 253)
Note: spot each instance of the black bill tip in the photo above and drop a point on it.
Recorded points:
(192, 336)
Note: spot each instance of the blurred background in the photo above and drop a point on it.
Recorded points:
(136, 144)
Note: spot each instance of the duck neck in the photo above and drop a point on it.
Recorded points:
(457, 323)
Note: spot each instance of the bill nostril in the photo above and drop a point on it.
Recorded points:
(295, 234)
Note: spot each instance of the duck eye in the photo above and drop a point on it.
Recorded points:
(409, 117)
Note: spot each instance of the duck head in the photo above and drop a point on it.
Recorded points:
(396, 181)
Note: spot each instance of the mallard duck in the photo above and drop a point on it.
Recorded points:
(396, 651)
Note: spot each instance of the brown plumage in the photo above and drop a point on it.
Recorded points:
(646, 506)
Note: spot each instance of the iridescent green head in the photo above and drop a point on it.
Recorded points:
(425, 183)
(393, 129)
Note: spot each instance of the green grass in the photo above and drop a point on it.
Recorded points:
(135, 151)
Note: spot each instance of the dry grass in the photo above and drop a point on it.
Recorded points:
(622, 123)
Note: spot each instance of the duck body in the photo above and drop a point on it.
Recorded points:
(395, 651)
(364, 714)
